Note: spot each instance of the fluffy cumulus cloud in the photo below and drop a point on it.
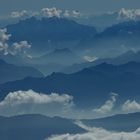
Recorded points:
(131, 106)
(107, 106)
(24, 102)
(46, 12)
(98, 134)
(13, 49)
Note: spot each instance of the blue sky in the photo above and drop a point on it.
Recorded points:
(88, 6)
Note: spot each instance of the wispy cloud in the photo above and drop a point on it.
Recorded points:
(107, 106)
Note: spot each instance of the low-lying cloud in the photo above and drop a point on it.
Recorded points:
(98, 134)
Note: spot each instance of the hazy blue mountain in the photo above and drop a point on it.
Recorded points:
(60, 56)
(123, 122)
(49, 33)
(114, 40)
(100, 21)
(94, 82)
(126, 57)
(125, 29)
(55, 60)
(107, 19)
(35, 127)
(9, 72)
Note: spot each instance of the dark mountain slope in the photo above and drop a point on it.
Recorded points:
(9, 72)
(35, 127)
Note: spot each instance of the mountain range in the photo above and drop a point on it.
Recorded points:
(49, 33)
(126, 57)
(96, 82)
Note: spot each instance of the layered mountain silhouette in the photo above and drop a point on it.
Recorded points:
(38, 127)
(9, 72)
(94, 82)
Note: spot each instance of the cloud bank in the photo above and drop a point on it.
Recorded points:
(98, 134)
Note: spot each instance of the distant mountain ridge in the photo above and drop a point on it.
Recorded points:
(128, 56)
(9, 72)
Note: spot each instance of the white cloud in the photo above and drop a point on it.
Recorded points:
(51, 12)
(24, 14)
(4, 37)
(30, 102)
(98, 134)
(129, 13)
(72, 13)
(20, 47)
(46, 12)
(108, 106)
(131, 106)
(13, 49)
(18, 14)
(75, 13)
(24, 102)
(90, 58)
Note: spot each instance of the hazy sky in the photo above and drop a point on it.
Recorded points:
(88, 6)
